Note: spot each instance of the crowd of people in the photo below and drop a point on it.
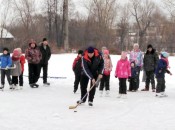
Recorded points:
(37, 58)
(89, 65)
(94, 65)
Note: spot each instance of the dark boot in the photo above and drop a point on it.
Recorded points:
(145, 89)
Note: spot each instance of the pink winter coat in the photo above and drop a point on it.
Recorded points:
(123, 69)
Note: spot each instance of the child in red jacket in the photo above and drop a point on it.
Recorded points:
(76, 67)
(22, 61)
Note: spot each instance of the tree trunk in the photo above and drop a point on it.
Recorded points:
(65, 26)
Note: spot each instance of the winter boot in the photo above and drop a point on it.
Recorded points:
(11, 86)
(2, 87)
(46, 84)
(36, 85)
(91, 104)
(145, 89)
(153, 90)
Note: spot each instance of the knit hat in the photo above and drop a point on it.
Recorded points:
(16, 53)
(5, 49)
(149, 46)
(80, 51)
(164, 54)
(44, 39)
(90, 50)
(106, 52)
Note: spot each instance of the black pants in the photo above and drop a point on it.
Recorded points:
(138, 78)
(133, 84)
(3, 74)
(84, 84)
(105, 82)
(122, 86)
(45, 68)
(21, 79)
(15, 80)
(33, 73)
(150, 78)
(160, 85)
(77, 81)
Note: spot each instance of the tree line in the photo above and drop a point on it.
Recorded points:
(107, 23)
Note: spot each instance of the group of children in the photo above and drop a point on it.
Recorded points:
(12, 66)
(125, 71)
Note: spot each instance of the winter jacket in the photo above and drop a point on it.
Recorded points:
(161, 68)
(107, 66)
(46, 54)
(137, 57)
(76, 67)
(134, 72)
(92, 67)
(17, 71)
(5, 60)
(150, 60)
(123, 69)
(33, 55)
(22, 61)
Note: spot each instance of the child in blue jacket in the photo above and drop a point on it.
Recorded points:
(133, 79)
(161, 69)
(6, 63)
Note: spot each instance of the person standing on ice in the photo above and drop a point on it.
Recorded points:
(123, 72)
(162, 68)
(149, 65)
(17, 71)
(6, 63)
(46, 54)
(22, 62)
(33, 56)
(92, 64)
(137, 57)
(77, 68)
(105, 81)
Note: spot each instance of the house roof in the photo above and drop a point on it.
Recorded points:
(5, 34)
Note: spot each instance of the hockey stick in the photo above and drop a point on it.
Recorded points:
(73, 107)
(10, 68)
(52, 77)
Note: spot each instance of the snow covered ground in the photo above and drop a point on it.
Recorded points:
(46, 108)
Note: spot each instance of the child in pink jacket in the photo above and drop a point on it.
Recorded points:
(123, 72)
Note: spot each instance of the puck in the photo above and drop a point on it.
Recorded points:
(75, 111)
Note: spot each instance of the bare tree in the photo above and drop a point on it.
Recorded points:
(65, 33)
(170, 6)
(25, 9)
(102, 14)
(142, 11)
(123, 26)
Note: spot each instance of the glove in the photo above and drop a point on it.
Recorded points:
(7, 68)
(93, 81)
(129, 79)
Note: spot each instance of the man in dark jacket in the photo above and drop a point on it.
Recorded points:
(150, 63)
(77, 68)
(93, 64)
(46, 54)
